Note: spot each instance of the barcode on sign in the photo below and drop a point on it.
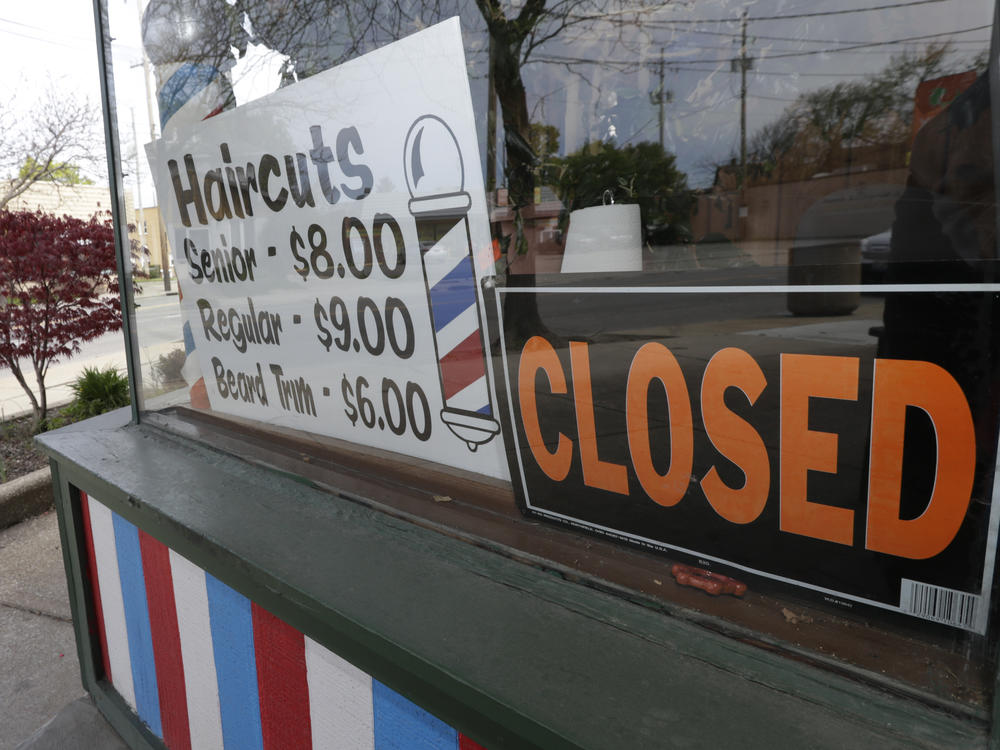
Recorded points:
(940, 604)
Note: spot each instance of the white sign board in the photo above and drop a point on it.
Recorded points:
(329, 241)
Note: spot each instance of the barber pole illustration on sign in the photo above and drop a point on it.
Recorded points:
(440, 206)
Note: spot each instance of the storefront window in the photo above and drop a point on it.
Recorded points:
(708, 285)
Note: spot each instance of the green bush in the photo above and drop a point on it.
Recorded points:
(97, 391)
(168, 368)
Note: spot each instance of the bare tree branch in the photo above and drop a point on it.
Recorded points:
(38, 143)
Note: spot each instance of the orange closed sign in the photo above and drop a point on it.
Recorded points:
(848, 473)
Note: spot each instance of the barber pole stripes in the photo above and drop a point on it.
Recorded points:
(401, 725)
(137, 624)
(463, 374)
(451, 293)
(282, 681)
(341, 708)
(157, 576)
(435, 177)
(95, 585)
(451, 286)
(188, 93)
(197, 653)
(205, 668)
(235, 666)
(110, 605)
(191, 369)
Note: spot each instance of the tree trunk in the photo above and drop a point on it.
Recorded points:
(520, 314)
(36, 408)
(43, 400)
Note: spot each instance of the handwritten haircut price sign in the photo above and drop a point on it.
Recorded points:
(330, 240)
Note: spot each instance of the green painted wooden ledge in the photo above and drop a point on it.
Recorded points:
(508, 653)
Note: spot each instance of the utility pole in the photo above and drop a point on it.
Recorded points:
(145, 79)
(661, 96)
(491, 124)
(743, 63)
(141, 224)
(146, 72)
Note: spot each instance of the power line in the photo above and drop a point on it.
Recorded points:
(866, 45)
(782, 73)
(694, 112)
(782, 17)
(772, 98)
(846, 11)
(681, 66)
(854, 48)
(801, 40)
(21, 23)
(724, 69)
(803, 53)
(71, 45)
(65, 41)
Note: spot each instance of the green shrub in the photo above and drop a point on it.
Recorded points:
(168, 368)
(97, 391)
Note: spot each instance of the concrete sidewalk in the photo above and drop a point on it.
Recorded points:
(39, 706)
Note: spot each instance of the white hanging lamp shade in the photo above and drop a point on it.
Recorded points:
(604, 238)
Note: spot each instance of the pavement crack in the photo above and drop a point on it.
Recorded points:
(38, 612)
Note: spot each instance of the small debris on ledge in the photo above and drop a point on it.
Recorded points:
(714, 584)
(794, 618)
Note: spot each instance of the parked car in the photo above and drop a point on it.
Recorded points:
(875, 256)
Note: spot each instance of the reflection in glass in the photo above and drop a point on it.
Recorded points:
(709, 143)
(726, 122)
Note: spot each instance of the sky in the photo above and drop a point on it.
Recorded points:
(48, 39)
(52, 43)
(53, 40)
(796, 46)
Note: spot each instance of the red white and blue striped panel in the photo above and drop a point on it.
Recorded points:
(205, 668)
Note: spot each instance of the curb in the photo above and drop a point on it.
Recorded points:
(27, 411)
(25, 496)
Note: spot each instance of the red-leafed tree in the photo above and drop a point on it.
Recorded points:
(58, 288)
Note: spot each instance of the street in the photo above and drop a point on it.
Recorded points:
(158, 319)
(158, 323)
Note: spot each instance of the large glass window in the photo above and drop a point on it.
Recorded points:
(708, 283)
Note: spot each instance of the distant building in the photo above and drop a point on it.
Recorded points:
(153, 235)
(82, 202)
